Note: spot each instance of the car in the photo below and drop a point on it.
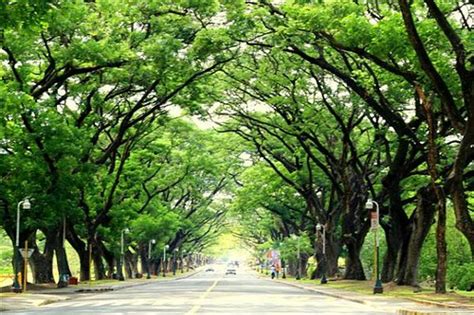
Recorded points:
(210, 269)
(230, 271)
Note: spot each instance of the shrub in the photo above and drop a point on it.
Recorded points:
(462, 277)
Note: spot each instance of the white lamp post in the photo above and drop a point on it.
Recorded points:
(26, 205)
(374, 220)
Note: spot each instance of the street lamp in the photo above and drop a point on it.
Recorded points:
(26, 205)
(164, 259)
(150, 243)
(374, 224)
(320, 227)
(122, 254)
(298, 263)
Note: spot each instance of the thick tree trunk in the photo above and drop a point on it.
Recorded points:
(354, 268)
(327, 264)
(332, 255)
(109, 258)
(42, 263)
(99, 268)
(131, 264)
(81, 250)
(355, 226)
(62, 261)
(420, 223)
(440, 198)
(397, 228)
(464, 221)
(146, 265)
(395, 235)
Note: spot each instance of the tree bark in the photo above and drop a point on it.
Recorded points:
(432, 161)
(396, 228)
(354, 267)
(419, 226)
(99, 269)
(109, 258)
(42, 263)
(81, 249)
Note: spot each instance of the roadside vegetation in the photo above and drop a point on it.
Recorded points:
(147, 129)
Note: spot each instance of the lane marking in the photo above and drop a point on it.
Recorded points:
(199, 302)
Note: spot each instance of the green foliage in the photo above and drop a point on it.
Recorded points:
(6, 254)
(319, 96)
(460, 269)
(462, 277)
(367, 254)
(289, 247)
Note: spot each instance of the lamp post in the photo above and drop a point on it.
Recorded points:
(150, 243)
(298, 262)
(26, 205)
(122, 254)
(164, 259)
(374, 224)
(320, 227)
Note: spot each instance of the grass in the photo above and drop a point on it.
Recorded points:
(397, 291)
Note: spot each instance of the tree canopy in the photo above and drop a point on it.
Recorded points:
(183, 120)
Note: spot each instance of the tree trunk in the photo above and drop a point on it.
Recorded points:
(464, 221)
(99, 269)
(419, 226)
(440, 198)
(61, 258)
(397, 228)
(146, 264)
(81, 250)
(354, 268)
(332, 255)
(42, 263)
(395, 235)
(131, 264)
(355, 226)
(109, 258)
(441, 248)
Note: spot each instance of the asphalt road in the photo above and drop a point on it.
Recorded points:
(209, 293)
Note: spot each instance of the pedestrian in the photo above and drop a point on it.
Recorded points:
(273, 272)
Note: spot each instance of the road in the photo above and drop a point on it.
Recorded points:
(209, 293)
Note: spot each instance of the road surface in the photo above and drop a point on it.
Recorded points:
(209, 293)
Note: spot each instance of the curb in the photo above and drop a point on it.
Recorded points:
(411, 312)
(439, 304)
(322, 292)
(401, 311)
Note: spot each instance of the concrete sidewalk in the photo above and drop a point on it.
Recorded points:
(404, 306)
(32, 299)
